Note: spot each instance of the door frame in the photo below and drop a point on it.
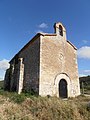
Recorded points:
(56, 83)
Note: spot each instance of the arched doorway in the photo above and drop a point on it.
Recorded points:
(63, 88)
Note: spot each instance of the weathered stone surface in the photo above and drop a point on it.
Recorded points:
(7, 80)
(43, 63)
(58, 59)
(31, 56)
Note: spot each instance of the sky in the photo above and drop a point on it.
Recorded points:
(20, 20)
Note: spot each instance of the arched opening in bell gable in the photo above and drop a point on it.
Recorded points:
(60, 30)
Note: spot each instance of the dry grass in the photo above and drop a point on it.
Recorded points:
(43, 108)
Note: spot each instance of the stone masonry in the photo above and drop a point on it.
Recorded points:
(47, 65)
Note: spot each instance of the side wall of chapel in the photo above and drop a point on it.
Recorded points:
(23, 73)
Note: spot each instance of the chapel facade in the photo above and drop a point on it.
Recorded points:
(47, 65)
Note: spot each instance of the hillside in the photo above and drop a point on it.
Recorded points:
(85, 79)
(85, 84)
(1, 84)
(26, 107)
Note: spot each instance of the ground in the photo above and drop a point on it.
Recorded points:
(31, 107)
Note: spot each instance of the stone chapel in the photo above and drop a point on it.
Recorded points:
(47, 65)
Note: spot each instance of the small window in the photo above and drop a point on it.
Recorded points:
(60, 30)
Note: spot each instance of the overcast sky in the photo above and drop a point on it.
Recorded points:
(20, 20)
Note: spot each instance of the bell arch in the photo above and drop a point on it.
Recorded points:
(60, 30)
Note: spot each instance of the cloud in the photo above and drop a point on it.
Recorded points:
(43, 25)
(1, 78)
(39, 31)
(84, 52)
(87, 71)
(4, 64)
(84, 73)
(85, 41)
(2, 75)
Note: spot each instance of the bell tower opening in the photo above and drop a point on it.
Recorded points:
(60, 30)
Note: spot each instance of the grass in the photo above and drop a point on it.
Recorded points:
(16, 98)
(28, 107)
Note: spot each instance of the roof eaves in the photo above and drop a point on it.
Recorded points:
(36, 36)
(47, 34)
(72, 45)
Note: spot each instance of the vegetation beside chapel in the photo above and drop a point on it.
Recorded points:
(30, 107)
(1, 84)
(85, 85)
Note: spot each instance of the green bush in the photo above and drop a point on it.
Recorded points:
(18, 98)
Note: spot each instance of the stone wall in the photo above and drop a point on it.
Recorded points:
(23, 73)
(20, 75)
(10, 81)
(57, 57)
(31, 59)
(42, 63)
(71, 68)
(7, 80)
